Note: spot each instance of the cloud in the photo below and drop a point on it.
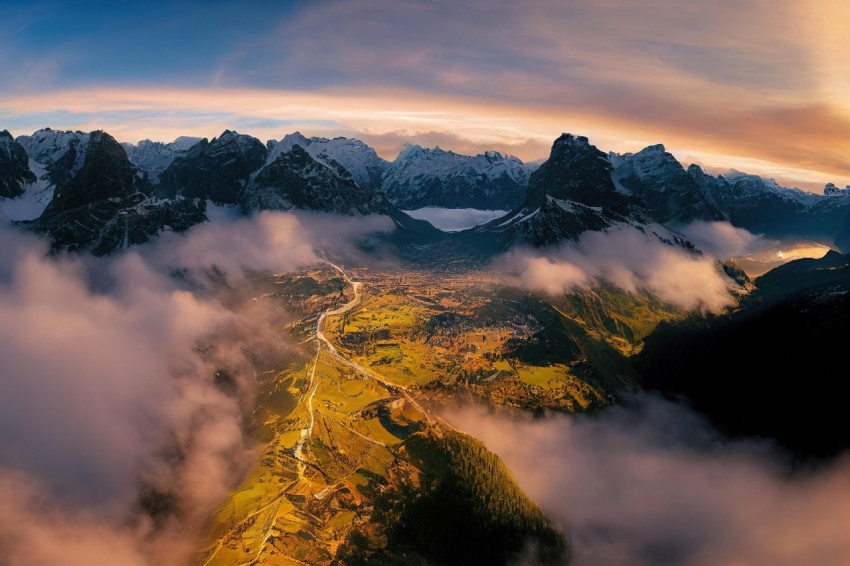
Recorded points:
(627, 258)
(389, 144)
(651, 482)
(761, 86)
(108, 389)
(269, 241)
(35, 531)
(722, 240)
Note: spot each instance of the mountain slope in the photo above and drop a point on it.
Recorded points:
(570, 193)
(297, 180)
(763, 207)
(770, 368)
(105, 173)
(99, 204)
(14, 167)
(358, 159)
(662, 186)
(217, 170)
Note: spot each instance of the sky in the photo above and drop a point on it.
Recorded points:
(757, 85)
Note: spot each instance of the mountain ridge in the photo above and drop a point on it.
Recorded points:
(578, 188)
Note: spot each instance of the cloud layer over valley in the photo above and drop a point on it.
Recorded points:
(108, 400)
(652, 483)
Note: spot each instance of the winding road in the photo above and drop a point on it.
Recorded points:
(354, 365)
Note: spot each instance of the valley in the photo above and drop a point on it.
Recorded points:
(383, 352)
(339, 424)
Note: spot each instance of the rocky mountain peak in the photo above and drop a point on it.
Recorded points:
(216, 170)
(654, 149)
(410, 150)
(695, 170)
(105, 172)
(288, 141)
(575, 171)
(566, 140)
(663, 187)
(830, 190)
(296, 179)
(360, 161)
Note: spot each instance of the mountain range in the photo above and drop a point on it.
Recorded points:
(90, 193)
(351, 463)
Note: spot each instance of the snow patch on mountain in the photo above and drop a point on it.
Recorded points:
(414, 161)
(741, 180)
(35, 199)
(360, 160)
(422, 177)
(48, 146)
(154, 157)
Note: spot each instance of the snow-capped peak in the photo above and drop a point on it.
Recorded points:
(49, 146)
(183, 143)
(360, 160)
(436, 177)
(286, 144)
(416, 160)
(154, 157)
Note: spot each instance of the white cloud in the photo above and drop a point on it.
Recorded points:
(653, 483)
(722, 240)
(626, 258)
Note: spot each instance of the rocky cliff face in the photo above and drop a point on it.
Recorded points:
(575, 171)
(100, 204)
(14, 167)
(570, 193)
(297, 180)
(662, 186)
(218, 170)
